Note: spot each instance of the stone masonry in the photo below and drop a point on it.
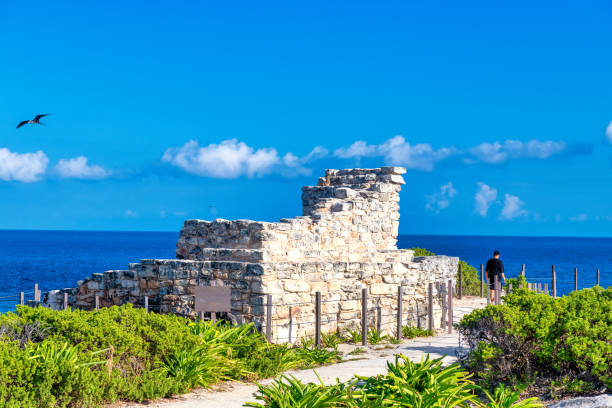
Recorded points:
(344, 241)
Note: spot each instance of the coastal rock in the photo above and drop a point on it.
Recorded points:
(600, 401)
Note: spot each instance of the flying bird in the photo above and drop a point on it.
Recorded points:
(35, 121)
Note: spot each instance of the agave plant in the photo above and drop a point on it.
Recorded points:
(421, 385)
(504, 397)
(62, 354)
(354, 335)
(307, 342)
(375, 337)
(330, 340)
(289, 392)
(201, 366)
(314, 356)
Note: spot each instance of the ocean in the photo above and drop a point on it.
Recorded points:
(58, 259)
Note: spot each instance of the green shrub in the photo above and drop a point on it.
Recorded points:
(410, 332)
(535, 333)
(90, 358)
(314, 356)
(422, 252)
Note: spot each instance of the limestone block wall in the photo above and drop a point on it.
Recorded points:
(344, 241)
(170, 286)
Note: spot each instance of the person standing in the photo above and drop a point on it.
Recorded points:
(495, 267)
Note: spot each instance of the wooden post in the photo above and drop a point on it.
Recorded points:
(399, 312)
(546, 288)
(318, 319)
(269, 318)
(450, 306)
(575, 278)
(523, 270)
(146, 304)
(460, 283)
(21, 298)
(554, 282)
(539, 287)
(496, 286)
(430, 323)
(290, 324)
(36, 293)
(65, 300)
(364, 316)
(378, 318)
(201, 316)
(488, 291)
(97, 302)
(597, 277)
(482, 280)
(213, 315)
(510, 288)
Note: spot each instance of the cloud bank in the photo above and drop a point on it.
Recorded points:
(231, 159)
(398, 151)
(496, 153)
(424, 157)
(79, 169)
(24, 167)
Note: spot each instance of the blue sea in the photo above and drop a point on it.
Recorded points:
(58, 259)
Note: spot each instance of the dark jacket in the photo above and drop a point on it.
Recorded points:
(494, 267)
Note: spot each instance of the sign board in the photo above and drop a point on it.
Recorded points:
(213, 299)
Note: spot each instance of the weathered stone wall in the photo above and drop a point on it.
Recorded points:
(345, 240)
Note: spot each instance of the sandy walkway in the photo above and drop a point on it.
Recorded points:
(233, 395)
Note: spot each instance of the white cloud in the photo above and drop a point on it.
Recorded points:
(422, 156)
(24, 167)
(228, 159)
(483, 198)
(231, 159)
(440, 200)
(357, 150)
(579, 218)
(513, 208)
(317, 153)
(129, 214)
(78, 168)
(496, 153)
(398, 151)
(609, 132)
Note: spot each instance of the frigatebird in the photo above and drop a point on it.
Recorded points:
(35, 121)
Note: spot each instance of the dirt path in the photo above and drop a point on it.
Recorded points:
(234, 395)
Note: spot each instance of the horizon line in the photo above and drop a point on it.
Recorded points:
(400, 234)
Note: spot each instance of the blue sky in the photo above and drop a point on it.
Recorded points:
(163, 111)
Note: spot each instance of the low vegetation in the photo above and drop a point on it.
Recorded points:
(406, 384)
(470, 280)
(559, 346)
(79, 358)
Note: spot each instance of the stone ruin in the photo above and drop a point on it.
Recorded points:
(344, 241)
